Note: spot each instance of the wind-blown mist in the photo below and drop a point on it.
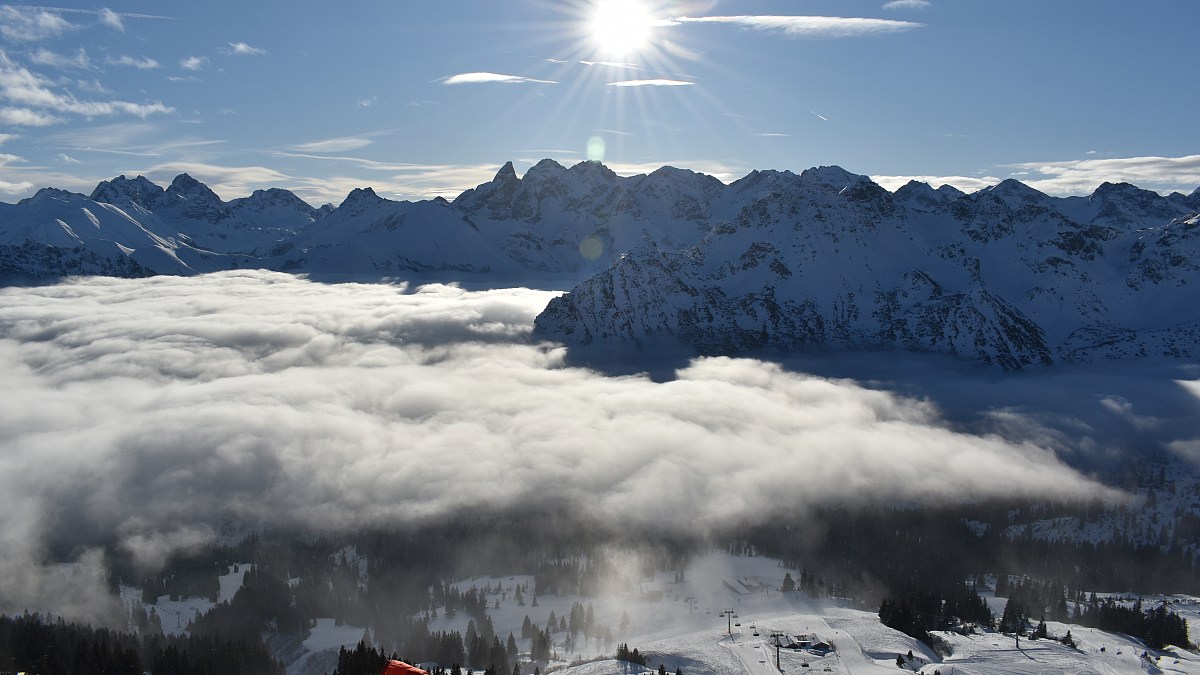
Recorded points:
(144, 413)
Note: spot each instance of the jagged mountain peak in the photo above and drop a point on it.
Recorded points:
(593, 169)
(276, 196)
(185, 183)
(49, 193)
(920, 194)
(950, 191)
(1124, 191)
(914, 189)
(673, 176)
(506, 173)
(1011, 188)
(360, 199)
(763, 181)
(544, 168)
(187, 188)
(831, 176)
(122, 190)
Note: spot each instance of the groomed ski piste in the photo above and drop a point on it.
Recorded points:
(684, 624)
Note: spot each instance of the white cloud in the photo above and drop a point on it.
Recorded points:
(407, 181)
(111, 19)
(93, 86)
(774, 135)
(67, 159)
(907, 4)
(142, 62)
(334, 144)
(651, 83)
(366, 102)
(194, 62)
(964, 183)
(809, 26)
(479, 78)
(224, 180)
(242, 49)
(18, 188)
(4, 138)
(612, 64)
(31, 24)
(26, 88)
(138, 411)
(45, 57)
(24, 117)
(1082, 176)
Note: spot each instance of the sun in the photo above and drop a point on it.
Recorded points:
(621, 28)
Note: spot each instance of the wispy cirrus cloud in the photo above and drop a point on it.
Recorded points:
(129, 139)
(654, 82)
(31, 92)
(334, 144)
(32, 24)
(242, 49)
(45, 57)
(907, 4)
(224, 180)
(358, 161)
(139, 62)
(485, 77)
(808, 26)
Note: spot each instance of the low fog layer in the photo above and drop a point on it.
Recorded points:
(142, 414)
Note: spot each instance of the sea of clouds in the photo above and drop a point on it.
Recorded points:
(143, 413)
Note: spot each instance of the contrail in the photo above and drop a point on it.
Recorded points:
(93, 12)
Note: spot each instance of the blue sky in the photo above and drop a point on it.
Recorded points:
(420, 98)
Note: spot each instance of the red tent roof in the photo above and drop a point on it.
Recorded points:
(401, 668)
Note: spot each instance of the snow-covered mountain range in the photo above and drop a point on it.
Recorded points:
(821, 260)
(829, 260)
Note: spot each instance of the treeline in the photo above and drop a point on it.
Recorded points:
(870, 553)
(1157, 627)
(31, 643)
(624, 653)
(367, 660)
(916, 610)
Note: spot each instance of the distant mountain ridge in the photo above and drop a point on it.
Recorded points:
(824, 259)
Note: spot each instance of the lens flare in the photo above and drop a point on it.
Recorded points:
(591, 248)
(595, 149)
